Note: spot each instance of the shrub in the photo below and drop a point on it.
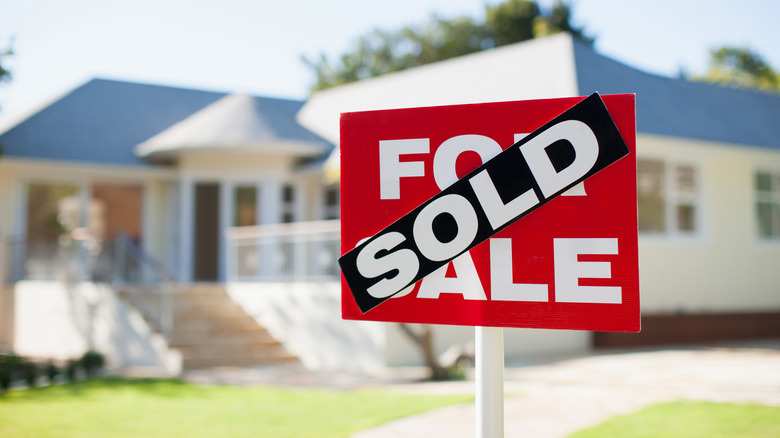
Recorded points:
(9, 367)
(51, 371)
(92, 362)
(71, 370)
(29, 373)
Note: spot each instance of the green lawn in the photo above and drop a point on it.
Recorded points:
(691, 420)
(107, 408)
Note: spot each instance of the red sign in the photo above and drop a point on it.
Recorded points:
(570, 264)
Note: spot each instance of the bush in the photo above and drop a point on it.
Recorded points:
(9, 368)
(13, 368)
(92, 362)
(51, 371)
(29, 373)
(71, 370)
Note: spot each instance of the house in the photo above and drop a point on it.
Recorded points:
(223, 200)
(167, 170)
(708, 176)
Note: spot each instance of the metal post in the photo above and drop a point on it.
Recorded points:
(490, 381)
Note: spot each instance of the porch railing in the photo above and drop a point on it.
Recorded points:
(291, 252)
(120, 261)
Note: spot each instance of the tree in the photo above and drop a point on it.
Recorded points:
(5, 75)
(512, 21)
(381, 51)
(742, 68)
(422, 336)
(559, 20)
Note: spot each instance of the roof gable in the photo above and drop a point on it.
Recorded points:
(239, 122)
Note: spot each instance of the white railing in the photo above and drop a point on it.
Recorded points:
(119, 261)
(291, 252)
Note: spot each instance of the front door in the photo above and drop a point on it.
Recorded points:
(206, 238)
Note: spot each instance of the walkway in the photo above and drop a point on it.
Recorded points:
(557, 398)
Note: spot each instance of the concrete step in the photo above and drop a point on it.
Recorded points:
(188, 339)
(198, 289)
(242, 360)
(214, 324)
(259, 349)
(210, 329)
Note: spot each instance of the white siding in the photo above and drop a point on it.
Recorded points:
(724, 268)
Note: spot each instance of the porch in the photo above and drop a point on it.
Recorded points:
(282, 285)
(110, 295)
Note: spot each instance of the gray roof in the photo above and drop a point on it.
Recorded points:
(681, 108)
(103, 121)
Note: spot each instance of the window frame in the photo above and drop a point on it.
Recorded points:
(773, 197)
(673, 198)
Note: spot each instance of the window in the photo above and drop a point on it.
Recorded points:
(667, 196)
(52, 210)
(245, 206)
(767, 187)
(288, 203)
(331, 202)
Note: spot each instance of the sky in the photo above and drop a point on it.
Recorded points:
(256, 46)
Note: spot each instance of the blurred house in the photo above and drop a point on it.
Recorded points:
(708, 175)
(120, 188)
(172, 227)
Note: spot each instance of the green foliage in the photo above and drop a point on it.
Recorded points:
(111, 408)
(71, 370)
(10, 365)
(512, 21)
(382, 51)
(51, 371)
(29, 373)
(92, 362)
(742, 68)
(691, 420)
(5, 74)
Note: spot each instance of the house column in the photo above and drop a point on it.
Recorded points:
(270, 213)
(299, 243)
(17, 251)
(186, 225)
(225, 221)
(172, 235)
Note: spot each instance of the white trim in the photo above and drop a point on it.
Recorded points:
(225, 213)
(322, 205)
(762, 242)
(271, 198)
(85, 196)
(148, 231)
(186, 227)
(62, 169)
(21, 193)
(671, 198)
(172, 234)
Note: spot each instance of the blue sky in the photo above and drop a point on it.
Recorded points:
(255, 46)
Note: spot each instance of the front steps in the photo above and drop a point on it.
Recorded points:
(210, 329)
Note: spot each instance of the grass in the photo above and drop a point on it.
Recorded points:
(691, 420)
(116, 407)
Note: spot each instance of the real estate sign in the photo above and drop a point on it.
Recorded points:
(511, 214)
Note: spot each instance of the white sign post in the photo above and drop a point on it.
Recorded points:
(490, 381)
